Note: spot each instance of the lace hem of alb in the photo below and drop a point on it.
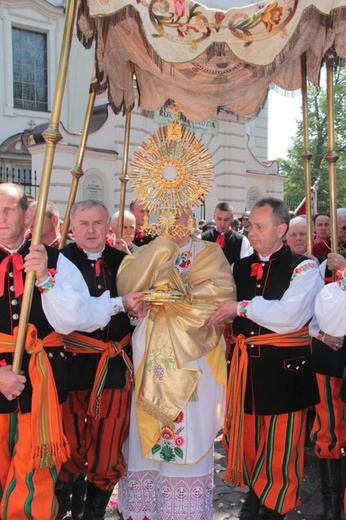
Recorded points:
(148, 495)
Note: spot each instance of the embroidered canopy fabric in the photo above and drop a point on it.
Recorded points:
(206, 58)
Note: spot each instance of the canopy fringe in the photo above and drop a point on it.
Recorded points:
(90, 29)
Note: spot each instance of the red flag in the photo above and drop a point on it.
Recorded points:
(301, 209)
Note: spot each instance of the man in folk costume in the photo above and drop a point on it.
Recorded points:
(99, 367)
(32, 443)
(180, 374)
(272, 381)
(329, 428)
(235, 245)
(51, 237)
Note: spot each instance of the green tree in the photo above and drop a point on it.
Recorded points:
(293, 166)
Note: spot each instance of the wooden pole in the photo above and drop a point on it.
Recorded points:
(306, 155)
(52, 136)
(77, 171)
(124, 176)
(331, 156)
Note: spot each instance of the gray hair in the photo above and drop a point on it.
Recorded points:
(87, 204)
(115, 217)
(300, 221)
(51, 208)
(341, 212)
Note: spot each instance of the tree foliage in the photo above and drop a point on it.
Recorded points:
(293, 166)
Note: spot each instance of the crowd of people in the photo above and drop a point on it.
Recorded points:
(124, 377)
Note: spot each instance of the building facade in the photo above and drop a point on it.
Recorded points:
(31, 34)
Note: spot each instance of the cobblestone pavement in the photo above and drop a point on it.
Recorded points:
(228, 499)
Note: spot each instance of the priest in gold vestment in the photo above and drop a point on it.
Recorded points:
(180, 378)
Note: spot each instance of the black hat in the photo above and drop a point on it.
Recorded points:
(210, 224)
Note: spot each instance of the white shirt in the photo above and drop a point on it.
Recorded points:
(246, 248)
(68, 306)
(330, 308)
(296, 306)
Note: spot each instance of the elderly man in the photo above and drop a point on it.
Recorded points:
(51, 223)
(276, 290)
(123, 241)
(97, 413)
(296, 238)
(234, 244)
(180, 377)
(296, 235)
(141, 215)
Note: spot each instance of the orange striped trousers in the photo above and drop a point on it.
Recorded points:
(274, 458)
(24, 495)
(329, 428)
(96, 444)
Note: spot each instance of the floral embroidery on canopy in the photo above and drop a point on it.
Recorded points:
(206, 58)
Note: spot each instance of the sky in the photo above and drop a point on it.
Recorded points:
(283, 113)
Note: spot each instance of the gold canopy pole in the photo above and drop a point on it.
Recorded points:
(77, 171)
(331, 156)
(124, 176)
(306, 155)
(52, 136)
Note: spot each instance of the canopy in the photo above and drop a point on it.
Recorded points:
(206, 58)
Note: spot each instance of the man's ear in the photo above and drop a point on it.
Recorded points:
(282, 229)
(56, 220)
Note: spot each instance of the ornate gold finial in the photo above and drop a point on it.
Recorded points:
(174, 129)
(171, 176)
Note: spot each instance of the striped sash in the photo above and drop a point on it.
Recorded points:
(49, 444)
(233, 431)
(77, 343)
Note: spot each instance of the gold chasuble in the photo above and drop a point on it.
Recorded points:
(176, 332)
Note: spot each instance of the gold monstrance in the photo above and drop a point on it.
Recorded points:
(171, 174)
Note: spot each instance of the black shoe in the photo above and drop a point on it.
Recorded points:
(270, 514)
(63, 492)
(332, 488)
(96, 502)
(250, 508)
(79, 491)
